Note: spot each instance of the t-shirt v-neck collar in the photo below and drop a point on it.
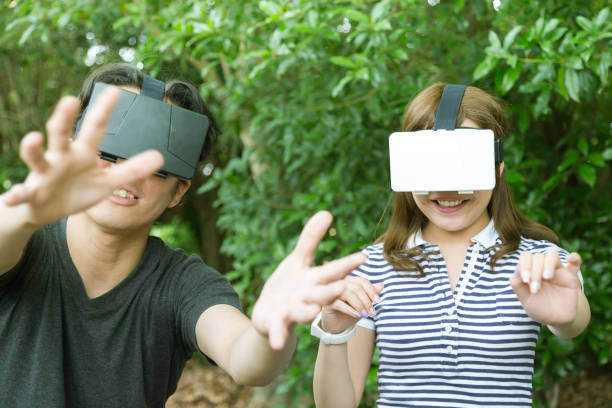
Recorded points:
(74, 279)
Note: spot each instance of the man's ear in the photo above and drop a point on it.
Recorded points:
(181, 188)
(501, 168)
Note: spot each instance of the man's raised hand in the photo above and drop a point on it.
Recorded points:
(66, 178)
(296, 291)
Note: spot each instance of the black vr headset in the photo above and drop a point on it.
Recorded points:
(144, 121)
(445, 158)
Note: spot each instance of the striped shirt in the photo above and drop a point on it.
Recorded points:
(438, 348)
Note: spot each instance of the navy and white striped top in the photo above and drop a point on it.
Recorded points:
(438, 348)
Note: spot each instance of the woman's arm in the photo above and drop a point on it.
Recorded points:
(341, 370)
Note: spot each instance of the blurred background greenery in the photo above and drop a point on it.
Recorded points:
(307, 93)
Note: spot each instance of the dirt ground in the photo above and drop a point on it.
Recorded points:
(204, 386)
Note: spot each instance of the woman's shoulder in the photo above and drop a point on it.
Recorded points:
(540, 246)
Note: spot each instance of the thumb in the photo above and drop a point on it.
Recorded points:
(521, 289)
(312, 233)
(573, 262)
(277, 335)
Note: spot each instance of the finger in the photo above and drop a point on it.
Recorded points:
(16, 195)
(325, 294)
(60, 124)
(521, 290)
(305, 313)
(551, 263)
(277, 335)
(369, 289)
(97, 116)
(573, 262)
(365, 299)
(342, 307)
(339, 268)
(31, 152)
(525, 266)
(141, 165)
(311, 235)
(537, 265)
(355, 301)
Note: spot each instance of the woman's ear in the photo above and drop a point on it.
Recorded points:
(181, 188)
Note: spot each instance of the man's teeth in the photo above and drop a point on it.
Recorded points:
(124, 194)
(448, 203)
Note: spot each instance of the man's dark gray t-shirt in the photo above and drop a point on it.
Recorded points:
(126, 348)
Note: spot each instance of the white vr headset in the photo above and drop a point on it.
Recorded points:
(445, 158)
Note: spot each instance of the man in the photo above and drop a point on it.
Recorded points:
(93, 311)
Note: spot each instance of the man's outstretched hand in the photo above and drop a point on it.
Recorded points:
(66, 178)
(296, 291)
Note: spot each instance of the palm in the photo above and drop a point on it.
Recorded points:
(296, 291)
(555, 303)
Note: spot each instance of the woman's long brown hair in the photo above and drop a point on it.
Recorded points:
(406, 219)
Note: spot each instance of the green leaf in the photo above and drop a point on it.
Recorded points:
(356, 15)
(26, 34)
(574, 62)
(270, 8)
(596, 159)
(571, 157)
(583, 146)
(587, 174)
(343, 61)
(494, 40)
(572, 83)
(584, 23)
(607, 154)
(341, 84)
(378, 11)
(485, 66)
(602, 17)
(511, 36)
(510, 77)
(561, 82)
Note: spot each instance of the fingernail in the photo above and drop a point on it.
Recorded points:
(547, 274)
(534, 287)
(525, 276)
(356, 314)
(377, 299)
(372, 312)
(517, 270)
(364, 313)
(573, 257)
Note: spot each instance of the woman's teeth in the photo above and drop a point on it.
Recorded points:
(449, 203)
(124, 194)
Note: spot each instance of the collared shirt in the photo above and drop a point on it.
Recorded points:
(438, 348)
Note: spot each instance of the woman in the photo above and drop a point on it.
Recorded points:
(453, 293)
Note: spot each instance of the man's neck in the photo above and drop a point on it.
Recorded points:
(103, 257)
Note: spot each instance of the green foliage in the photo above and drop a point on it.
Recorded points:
(308, 91)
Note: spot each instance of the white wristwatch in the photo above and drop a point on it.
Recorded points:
(330, 338)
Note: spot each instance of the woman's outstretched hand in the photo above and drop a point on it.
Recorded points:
(548, 290)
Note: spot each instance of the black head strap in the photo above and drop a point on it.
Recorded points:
(446, 115)
(153, 88)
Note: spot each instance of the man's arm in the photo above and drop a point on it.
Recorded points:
(228, 337)
(255, 351)
(65, 178)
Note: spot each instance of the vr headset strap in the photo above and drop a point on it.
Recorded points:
(446, 115)
(153, 88)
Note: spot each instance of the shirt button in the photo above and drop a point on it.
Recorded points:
(449, 349)
(448, 329)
